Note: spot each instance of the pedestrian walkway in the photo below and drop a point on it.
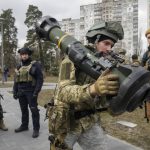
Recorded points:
(24, 141)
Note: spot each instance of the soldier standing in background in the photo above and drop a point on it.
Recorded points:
(146, 56)
(146, 63)
(79, 96)
(5, 73)
(28, 83)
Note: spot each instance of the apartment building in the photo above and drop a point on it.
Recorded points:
(124, 11)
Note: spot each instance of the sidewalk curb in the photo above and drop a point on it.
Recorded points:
(124, 142)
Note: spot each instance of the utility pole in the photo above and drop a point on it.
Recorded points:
(2, 48)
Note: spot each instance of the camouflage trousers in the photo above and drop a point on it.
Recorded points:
(92, 139)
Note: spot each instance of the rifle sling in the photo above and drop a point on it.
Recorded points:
(81, 114)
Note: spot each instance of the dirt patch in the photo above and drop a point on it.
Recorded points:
(139, 135)
(45, 96)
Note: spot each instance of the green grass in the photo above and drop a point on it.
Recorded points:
(52, 79)
(5, 85)
(45, 96)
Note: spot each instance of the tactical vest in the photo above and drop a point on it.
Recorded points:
(23, 75)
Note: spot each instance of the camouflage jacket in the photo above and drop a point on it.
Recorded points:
(73, 88)
(126, 59)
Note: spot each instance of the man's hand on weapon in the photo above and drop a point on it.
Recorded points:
(106, 84)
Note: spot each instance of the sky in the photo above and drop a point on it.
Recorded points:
(58, 9)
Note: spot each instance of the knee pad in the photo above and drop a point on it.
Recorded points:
(34, 109)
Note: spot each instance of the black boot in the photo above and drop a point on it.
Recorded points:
(35, 133)
(21, 128)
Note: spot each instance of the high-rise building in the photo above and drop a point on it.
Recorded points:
(89, 14)
(124, 11)
(71, 26)
(130, 25)
(107, 10)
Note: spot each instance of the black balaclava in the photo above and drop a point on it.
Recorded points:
(27, 61)
(25, 50)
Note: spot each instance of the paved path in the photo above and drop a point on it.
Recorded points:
(23, 141)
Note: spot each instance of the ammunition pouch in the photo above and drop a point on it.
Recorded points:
(59, 120)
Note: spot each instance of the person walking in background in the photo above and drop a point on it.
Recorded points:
(5, 73)
(27, 84)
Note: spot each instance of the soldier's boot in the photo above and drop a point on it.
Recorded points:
(21, 128)
(3, 126)
(35, 133)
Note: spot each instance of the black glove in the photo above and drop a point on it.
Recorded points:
(15, 96)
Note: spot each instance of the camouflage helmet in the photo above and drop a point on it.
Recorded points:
(25, 50)
(122, 51)
(147, 32)
(111, 29)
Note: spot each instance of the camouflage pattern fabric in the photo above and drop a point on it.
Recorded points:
(72, 91)
(76, 91)
(148, 110)
(127, 61)
(58, 120)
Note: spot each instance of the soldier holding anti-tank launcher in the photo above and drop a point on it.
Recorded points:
(79, 97)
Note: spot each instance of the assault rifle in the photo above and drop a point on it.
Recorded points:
(134, 80)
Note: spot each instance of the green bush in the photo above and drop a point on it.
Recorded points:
(55, 71)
